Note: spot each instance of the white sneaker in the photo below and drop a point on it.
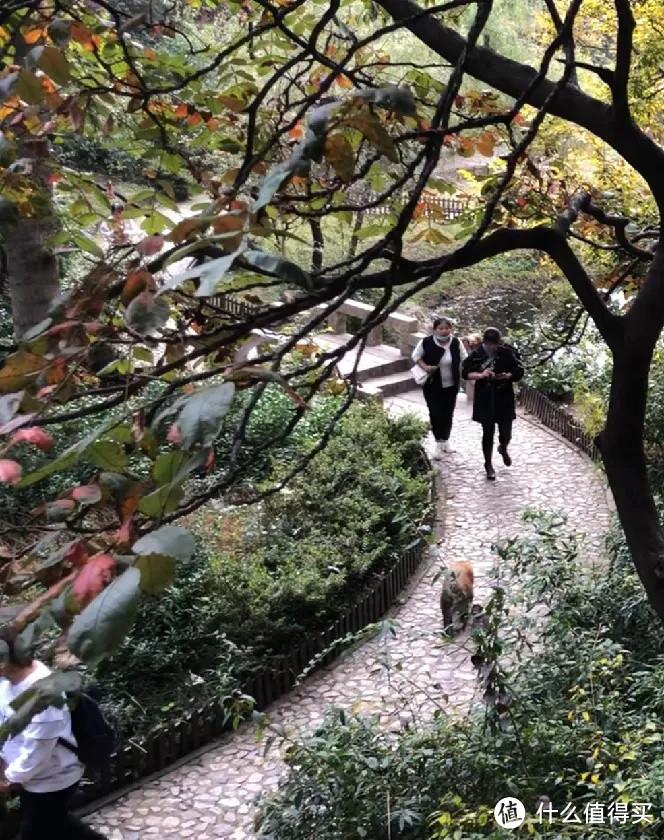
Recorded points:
(446, 446)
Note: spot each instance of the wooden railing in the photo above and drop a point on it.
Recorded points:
(430, 206)
(557, 419)
(205, 723)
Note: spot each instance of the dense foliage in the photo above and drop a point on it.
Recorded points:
(262, 577)
(578, 719)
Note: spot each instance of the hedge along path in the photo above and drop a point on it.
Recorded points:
(212, 796)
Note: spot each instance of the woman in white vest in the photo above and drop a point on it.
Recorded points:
(440, 355)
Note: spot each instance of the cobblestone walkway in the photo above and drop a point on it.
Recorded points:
(212, 796)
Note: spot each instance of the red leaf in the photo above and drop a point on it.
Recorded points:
(209, 461)
(124, 536)
(41, 439)
(10, 471)
(459, 100)
(93, 577)
(77, 554)
(151, 245)
(88, 494)
(175, 434)
(16, 423)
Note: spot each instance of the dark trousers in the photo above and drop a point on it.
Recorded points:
(46, 816)
(440, 402)
(504, 437)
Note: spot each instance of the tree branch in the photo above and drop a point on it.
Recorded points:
(513, 78)
(626, 26)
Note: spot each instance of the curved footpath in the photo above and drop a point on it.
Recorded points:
(212, 795)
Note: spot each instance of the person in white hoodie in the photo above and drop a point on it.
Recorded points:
(35, 763)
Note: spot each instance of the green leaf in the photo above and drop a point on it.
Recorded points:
(59, 31)
(147, 313)
(170, 540)
(29, 88)
(42, 694)
(371, 128)
(8, 86)
(201, 417)
(156, 222)
(162, 501)
(55, 65)
(157, 572)
(272, 264)
(8, 211)
(210, 274)
(394, 98)
(271, 183)
(108, 455)
(87, 244)
(104, 623)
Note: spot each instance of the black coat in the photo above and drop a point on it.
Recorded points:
(494, 400)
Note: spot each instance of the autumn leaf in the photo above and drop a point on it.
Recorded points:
(136, 282)
(344, 81)
(93, 578)
(339, 153)
(10, 471)
(34, 435)
(486, 143)
(77, 554)
(151, 245)
(87, 494)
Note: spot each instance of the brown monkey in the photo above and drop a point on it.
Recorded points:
(456, 596)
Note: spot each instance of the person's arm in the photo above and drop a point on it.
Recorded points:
(417, 357)
(463, 355)
(35, 752)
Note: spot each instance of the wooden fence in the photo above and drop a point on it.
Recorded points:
(209, 721)
(238, 308)
(430, 206)
(558, 420)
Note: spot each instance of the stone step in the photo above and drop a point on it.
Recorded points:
(390, 385)
(377, 361)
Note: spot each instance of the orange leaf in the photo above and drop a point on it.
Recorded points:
(137, 282)
(344, 81)
(296, 131)
(93, 578)
(56, 373)
(181, 111)
(486, 143)
(232, 103)
(79, 32)
(33, 36)
(194, 119)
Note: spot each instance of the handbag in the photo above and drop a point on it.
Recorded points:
(419, 375)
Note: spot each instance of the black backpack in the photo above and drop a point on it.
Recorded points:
(94, 735)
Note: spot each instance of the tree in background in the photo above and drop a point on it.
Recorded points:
(286, 119)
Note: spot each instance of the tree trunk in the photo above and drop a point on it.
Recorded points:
(621, 445)
(32, 270)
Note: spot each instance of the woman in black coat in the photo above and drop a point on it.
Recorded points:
(493, 367)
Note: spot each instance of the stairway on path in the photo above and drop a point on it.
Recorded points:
(382, 370)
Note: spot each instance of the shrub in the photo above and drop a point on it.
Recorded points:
(578, 720)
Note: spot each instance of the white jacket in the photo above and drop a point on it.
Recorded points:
(33, 757)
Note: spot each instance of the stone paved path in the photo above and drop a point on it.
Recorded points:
(212, 796)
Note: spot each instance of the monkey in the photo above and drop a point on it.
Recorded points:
(456, 596)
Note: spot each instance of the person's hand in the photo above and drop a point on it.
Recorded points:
(432, 368)
(487, 373)
(6, 787)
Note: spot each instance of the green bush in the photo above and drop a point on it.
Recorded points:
(579, 720)
(263, 577)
